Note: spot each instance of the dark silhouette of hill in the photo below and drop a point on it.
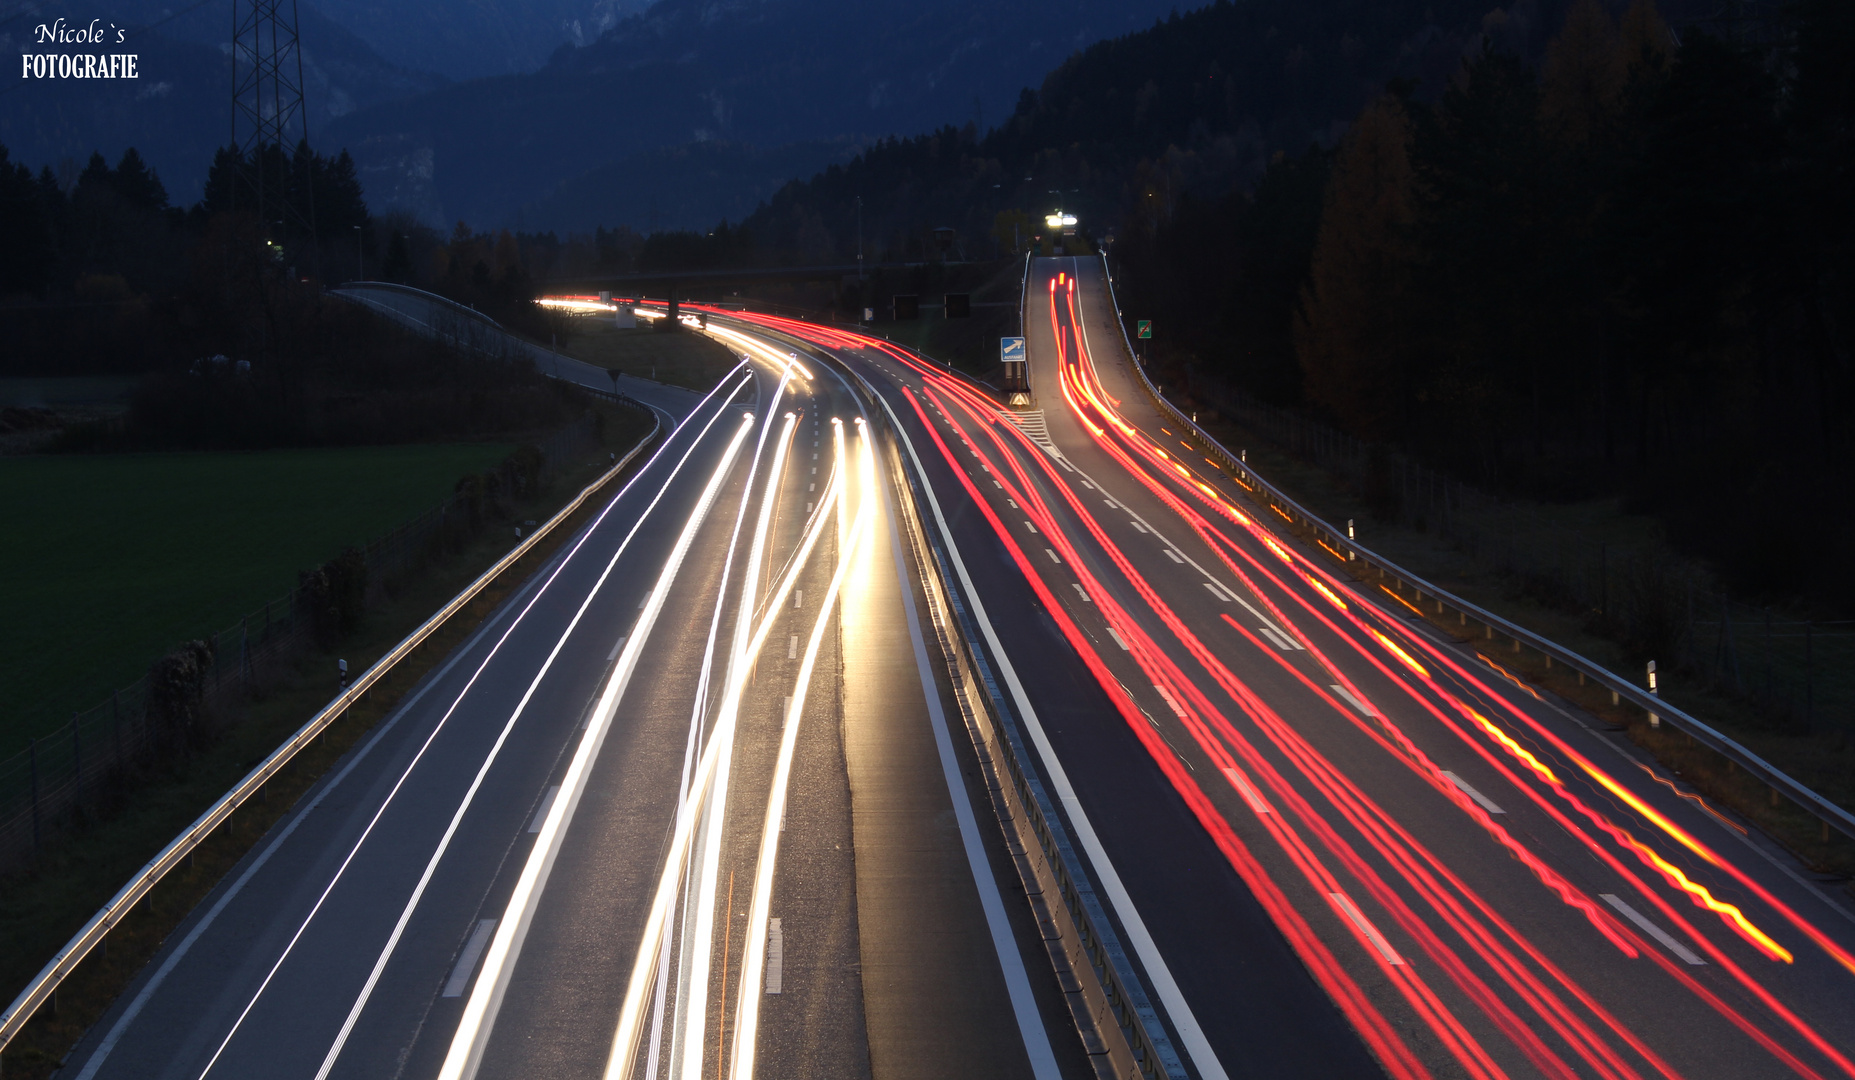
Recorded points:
(761, 73)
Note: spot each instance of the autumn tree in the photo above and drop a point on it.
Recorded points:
(1349, 330)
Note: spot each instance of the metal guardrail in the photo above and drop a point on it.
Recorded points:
(46, 983)
(1121, 1031)
(1621, 689)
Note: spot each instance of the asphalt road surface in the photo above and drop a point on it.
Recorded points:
(1336, 842)
(708, 722)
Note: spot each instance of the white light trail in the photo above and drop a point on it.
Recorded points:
(473, 1028)
(623, 1056)
(692, 1006)
(747, 1016)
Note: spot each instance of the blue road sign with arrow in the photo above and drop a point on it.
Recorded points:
(1011, 348)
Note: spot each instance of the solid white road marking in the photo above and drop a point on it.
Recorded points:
(991, 900)
(467, 960)
(1365, 926)
(1353, 699)
(1249, 793)
(547, 802)
(1642, 921)
(1468, 789)
(775, 956)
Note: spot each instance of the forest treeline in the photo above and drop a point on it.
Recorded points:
(1626, 271)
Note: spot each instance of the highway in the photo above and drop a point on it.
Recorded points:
(695, 801)
(710, 720)
(1336, 842)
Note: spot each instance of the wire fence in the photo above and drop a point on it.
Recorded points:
(1795, 673)
(87, 766)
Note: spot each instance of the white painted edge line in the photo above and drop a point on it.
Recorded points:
(1642, 922)
(1469, 789)
(1165, 987)
(1004, 941)
(547, 803)
(1353, 699)
(1244, 789)
(1358, 919)
(473, 950)
(775, 956)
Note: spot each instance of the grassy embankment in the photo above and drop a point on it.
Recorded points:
(680, 358)
(1824, 760)
(41, 908)
(131, 554)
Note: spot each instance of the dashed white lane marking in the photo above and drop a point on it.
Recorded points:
(798, 598)
(1173, 555)
(1353, 699)
(1079, 592)
(1109, 503)
(1052, 553)
(998, 485)
(1031, 527)
(1117, 637)
(792, 647)
(775, 956)
(1088, 485)
(1642, 921)
(1365, 926)
(1220, 592)
(1137, 525)
(1011, 503)
(1249, 793)
(547, 802)
(613, 655)
(1468, 789)
(1171, 702)
(1277, 639)
(467, 960)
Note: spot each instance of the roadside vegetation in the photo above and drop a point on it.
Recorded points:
(41, 907)
(690, 360)
(132, 553)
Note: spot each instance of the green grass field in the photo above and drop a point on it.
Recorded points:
(687, 359)
(112, 559)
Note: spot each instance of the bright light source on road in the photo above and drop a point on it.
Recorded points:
(1060, 220)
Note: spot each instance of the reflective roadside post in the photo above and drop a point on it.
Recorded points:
(1350, 553)
(1654, 720)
